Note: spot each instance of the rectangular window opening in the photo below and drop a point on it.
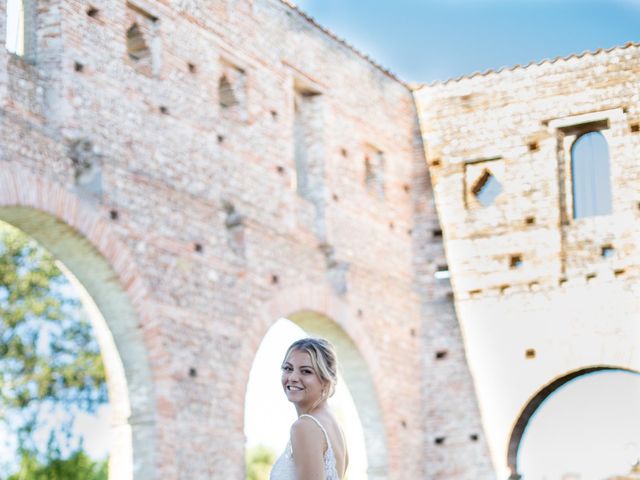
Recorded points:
(607, 251)
(515, 261)
(308, 138)
(15, 27)
(232, 91)
(374, 167)
(20, 34)
(442, 272)
(141, 40)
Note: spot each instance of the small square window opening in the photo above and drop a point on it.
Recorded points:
(515, 261)
(607, 251)
(487, 188)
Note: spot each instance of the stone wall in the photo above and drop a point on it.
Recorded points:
(176, 138)
(539, 293)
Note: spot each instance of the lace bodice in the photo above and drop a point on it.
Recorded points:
(285, 469)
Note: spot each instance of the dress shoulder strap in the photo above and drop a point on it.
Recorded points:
(326, 436)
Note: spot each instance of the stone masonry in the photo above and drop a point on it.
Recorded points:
(542, 297)
(203, 168)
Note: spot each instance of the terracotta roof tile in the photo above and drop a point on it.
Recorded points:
(521, 67)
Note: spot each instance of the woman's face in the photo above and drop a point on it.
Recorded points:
(300, 382)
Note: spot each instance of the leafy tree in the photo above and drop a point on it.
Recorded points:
(77, 466)
(49, 359)
(259, 461)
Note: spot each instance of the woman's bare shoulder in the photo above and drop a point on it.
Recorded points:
(306, 428)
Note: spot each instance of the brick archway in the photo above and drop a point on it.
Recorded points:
(320, 312)
(536, 401)
(112, 292)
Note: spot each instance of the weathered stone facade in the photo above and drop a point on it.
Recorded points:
(541, 296)
(204, 168)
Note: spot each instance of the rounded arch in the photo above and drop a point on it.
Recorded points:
(534, 403)
(99, 264)
(321, 312)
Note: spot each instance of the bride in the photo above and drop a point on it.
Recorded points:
(317, 449)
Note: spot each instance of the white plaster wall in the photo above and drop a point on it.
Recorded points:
(579, 325)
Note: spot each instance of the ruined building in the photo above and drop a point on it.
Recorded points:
(536, 181)
(205, 168)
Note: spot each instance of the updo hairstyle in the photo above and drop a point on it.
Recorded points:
(323, 359)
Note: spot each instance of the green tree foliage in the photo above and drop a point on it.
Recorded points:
(77, 466)
(49, 359)
(259, 461)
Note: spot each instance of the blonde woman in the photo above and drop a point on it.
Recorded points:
(317, 449)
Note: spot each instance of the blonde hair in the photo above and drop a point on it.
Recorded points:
(323, 359)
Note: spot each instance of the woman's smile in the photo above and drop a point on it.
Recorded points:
(301, 383)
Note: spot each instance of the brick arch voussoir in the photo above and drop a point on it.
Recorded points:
(116, 288)
(22, 188)
(320, 299)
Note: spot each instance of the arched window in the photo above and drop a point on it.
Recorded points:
(590, 174)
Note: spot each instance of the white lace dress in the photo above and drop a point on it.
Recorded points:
(285, 469)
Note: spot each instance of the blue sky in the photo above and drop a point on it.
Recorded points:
(427, 40)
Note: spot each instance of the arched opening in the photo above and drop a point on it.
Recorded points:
(116, 327)
(590, 175)
(355, 402)
(561, 400)
(55, 410)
